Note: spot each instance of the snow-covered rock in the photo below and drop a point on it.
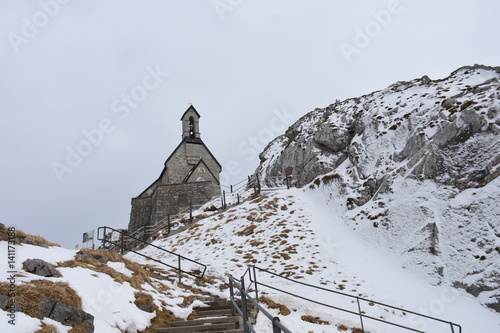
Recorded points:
(415, 166)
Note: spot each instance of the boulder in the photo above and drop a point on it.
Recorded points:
(67, 315)
(3, 301)
(40, 267)
(146, 308)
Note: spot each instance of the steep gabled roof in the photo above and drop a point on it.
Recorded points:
(197, 141)
(190, 173)
(191, 107)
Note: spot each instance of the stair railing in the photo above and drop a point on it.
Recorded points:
(252, 275)
(121, 245)
(278, 327)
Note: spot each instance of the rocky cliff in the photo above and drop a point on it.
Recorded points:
(413, 168)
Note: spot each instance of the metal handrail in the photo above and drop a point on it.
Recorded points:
(122, 246)
(359, 313)
(278, 327)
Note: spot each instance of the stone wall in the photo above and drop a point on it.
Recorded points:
(140, 213)
(187, 156)
(169, 199)
(172, 198)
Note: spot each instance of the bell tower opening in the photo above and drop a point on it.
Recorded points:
(191, 127)
(191, 124)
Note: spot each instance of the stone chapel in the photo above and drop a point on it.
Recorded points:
(190, 176)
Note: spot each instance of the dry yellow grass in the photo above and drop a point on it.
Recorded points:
(47, 329)
(23, 238)
(314, 320)
(144, 299)
(139, 276)
(30, 295)
(247, 231)
(283, 309)
(163, 319)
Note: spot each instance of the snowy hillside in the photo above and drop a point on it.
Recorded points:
(413, 168)
(295, 233)
(298, 234)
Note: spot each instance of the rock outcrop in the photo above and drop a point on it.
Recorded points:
(67, 315)
(416, 166)
(40, 267)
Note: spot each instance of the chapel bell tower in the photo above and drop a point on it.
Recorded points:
(190, 124)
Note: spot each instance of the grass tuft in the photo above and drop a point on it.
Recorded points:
(31, 294)
(23, 238)
(283, 309)
(314, 320)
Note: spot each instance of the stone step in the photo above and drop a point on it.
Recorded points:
(214, 307)
(199, 328)
(236, 320)
(214, 313)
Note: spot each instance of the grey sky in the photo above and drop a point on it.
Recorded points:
(67, 67)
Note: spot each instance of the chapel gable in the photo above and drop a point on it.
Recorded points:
(191, 176)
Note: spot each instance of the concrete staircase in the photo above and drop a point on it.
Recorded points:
(215, 317)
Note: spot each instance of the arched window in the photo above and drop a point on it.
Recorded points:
(191, 127)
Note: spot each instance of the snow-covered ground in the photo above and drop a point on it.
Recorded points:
(296, 233)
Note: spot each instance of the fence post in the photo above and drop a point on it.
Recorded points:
(276, 329)
(287, 183)
(231, 294)
(244, 305)
(179, 266)
(238, 197)
(168, 224)
(258, 183)
(255, 284)
(360, 316)
(231, 188)
(190, 213)
(121, 242)
(224, 195)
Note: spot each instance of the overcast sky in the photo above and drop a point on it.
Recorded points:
(92, 91)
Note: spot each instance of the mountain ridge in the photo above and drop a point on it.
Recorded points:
(439, 136)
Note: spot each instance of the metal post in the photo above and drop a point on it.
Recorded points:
(168, 223)
(190, 213)
(360, 316)
(255, 283)
(179, 266)
(238, 197)
(258, 183)
(287, 183)
(224, 195)
(121, 242)
(244, 305)
(221, 202)
(276, 328)
(231, 294)
(231, 188)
